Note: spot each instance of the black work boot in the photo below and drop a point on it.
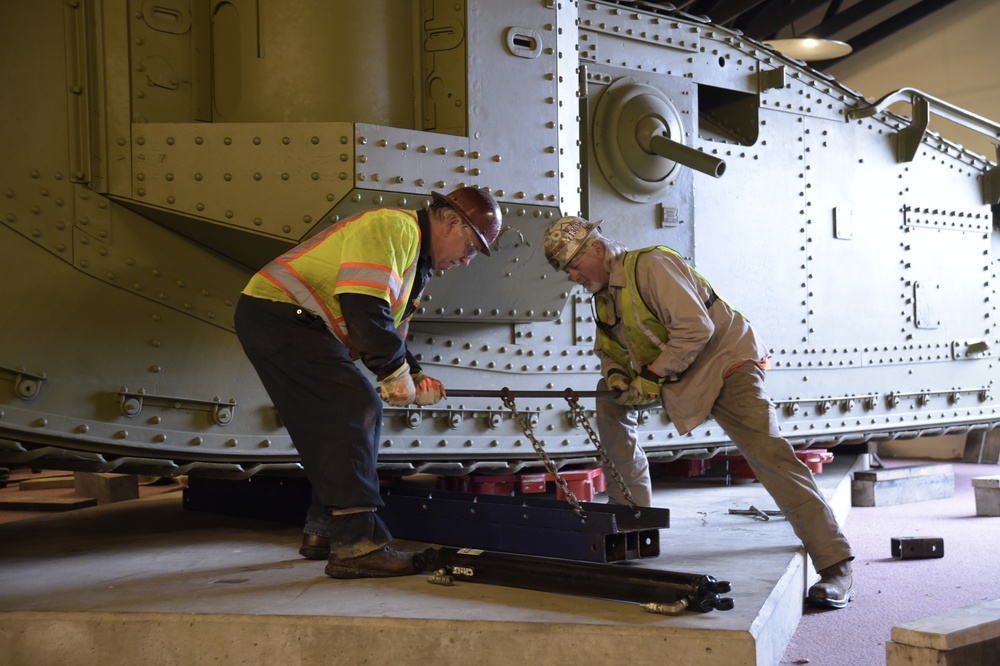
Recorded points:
(314, 547)
(835, 587)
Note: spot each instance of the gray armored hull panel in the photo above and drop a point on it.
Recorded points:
(157, 154)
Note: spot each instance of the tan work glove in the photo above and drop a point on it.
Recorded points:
(429, 390)
(397, 389)
(617, 380)
(643, 390)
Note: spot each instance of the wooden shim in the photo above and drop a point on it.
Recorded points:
(891, 473)
(46, 503)
(47, 482)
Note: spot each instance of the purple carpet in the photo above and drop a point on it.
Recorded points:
(893, 591)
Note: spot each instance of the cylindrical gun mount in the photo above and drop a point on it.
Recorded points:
(678, 152)
(655, 589)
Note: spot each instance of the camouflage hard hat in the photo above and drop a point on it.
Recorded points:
(479, 209)
(565, 238)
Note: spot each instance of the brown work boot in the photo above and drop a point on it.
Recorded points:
(314, 546)
(378, 563)
(835, 587)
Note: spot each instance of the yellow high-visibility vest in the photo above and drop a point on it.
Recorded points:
(373, 253)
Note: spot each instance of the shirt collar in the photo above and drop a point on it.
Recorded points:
(424, 221)
(617, 274)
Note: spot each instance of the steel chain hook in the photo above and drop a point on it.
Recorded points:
(580, 417)
(508, 401)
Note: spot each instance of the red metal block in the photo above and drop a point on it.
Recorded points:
(812, 458)
(581, 482)
(584, 483)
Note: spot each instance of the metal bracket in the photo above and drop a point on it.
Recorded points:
(846, 403)
(923, 105)
(924, 397)
(970, 349)
(770, 79)
(132, 403)
(26, 385)
(991, 181)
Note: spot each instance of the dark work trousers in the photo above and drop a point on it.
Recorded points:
(331, 412)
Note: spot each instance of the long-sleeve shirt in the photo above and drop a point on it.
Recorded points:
(706, 338)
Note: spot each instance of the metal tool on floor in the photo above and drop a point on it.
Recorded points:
(755, 512)
(909, 548)
(657, 591)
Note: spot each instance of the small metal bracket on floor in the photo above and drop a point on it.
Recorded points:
(755, 512)
(906, 548)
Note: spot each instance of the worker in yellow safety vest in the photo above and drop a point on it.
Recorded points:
(665, 337)
(343, 295)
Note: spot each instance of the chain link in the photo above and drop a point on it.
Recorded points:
(508, 401)
(580, 417)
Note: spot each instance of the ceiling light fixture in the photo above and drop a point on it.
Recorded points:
(810, 49)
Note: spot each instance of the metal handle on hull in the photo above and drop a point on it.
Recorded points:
(485, 393)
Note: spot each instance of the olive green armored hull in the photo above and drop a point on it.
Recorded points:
(155, 154)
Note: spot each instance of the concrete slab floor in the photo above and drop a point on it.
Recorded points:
(147, 579)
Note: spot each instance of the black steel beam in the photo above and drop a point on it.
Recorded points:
(529, 526)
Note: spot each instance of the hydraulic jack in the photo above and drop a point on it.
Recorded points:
(666, 592)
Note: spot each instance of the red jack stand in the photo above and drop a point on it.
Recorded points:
(583, 483)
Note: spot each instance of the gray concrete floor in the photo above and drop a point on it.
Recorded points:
(145, 578)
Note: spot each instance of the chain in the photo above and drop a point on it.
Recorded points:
(508, 401)
(580, 417)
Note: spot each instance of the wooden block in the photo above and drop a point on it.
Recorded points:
(987, 490)
(47, 483)
(969, 635)
(907, 655)
(908, 472)
(107, 488)
(900, 485)
(46, 503)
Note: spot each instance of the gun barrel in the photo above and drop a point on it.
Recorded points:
(678, 152)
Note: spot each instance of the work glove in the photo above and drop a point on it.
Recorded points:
(397, 389)
(617, 380)
(643, 390)
(429, 390)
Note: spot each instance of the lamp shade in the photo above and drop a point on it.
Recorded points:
(810, 49)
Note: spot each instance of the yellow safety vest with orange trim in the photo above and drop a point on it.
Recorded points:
(373, 253)
(646, 333)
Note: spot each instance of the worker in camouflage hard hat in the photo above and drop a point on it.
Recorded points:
(565, 238)
(665, 338)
